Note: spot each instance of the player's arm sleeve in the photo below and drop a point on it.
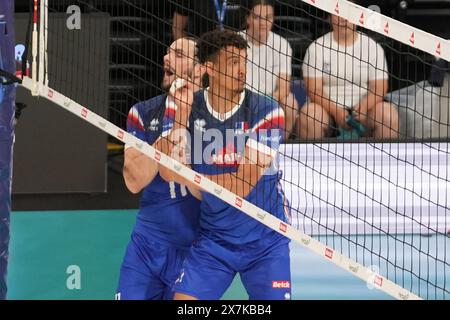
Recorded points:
(135, 124)
(267, 133)
(138, 170)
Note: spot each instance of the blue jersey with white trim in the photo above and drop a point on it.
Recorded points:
(168, 212)
(218, 143)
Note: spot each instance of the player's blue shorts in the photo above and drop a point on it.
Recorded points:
(149, 270)
(264, 267)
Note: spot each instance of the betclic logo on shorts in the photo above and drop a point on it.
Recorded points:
(281, 284)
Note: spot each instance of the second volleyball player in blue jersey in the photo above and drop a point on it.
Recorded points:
(168, 218)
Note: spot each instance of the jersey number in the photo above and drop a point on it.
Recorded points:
(173, 194)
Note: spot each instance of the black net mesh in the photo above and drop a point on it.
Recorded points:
(376, 194)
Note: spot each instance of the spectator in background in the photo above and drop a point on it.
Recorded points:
(269, 60)
(346, 74)
(438, 72)
(195, 17)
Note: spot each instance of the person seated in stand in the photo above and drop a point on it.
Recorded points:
(346, 76)
(269, 61)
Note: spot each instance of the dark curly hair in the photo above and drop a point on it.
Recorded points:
(213, 41)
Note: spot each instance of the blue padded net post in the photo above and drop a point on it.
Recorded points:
(7, 101)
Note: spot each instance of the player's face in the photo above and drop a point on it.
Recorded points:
(178, 62)
(260, 21)
(230, 69)
(343, 26)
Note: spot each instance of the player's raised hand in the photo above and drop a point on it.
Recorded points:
(182, 92)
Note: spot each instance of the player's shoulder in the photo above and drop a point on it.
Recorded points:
(199, 100)
(260, 103)
(146, 106)
(199, 96)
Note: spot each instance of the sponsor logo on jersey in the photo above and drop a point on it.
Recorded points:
(227, 157)
(200, 124)
(154, 124)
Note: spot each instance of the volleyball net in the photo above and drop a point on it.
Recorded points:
(373, 202)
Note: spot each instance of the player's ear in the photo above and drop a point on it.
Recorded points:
(200, 70)
(208, 67)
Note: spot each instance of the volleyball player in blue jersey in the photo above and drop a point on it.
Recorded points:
(234, 135)
(167, 222)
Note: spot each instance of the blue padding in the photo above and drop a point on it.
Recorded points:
(7, 102)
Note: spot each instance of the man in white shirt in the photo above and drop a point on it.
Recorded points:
(269, 60)
(346, 73)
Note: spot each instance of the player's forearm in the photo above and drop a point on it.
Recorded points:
(170, 175)
(177, 137)
(196, 192)
(242, 182)
(138, 172)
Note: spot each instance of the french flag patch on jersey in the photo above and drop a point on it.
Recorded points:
(241, 127)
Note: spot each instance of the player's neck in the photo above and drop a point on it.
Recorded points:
(223, 100)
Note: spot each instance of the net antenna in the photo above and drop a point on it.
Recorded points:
(35, 46)
(365, 18)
